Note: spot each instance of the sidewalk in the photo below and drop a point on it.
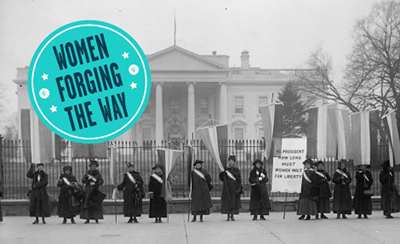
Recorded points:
(215, 229)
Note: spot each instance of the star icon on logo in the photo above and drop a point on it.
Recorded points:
(45, 76)
(53, 109)
(125, 55)
(133, 85)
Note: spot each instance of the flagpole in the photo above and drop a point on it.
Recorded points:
(284, 206)
(190, 180)
(115, 205)
(166, 179)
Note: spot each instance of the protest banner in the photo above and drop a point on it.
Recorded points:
(287, 169)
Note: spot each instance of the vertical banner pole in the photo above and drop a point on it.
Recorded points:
(284, 207)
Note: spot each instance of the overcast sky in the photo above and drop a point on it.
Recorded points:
(277, 33)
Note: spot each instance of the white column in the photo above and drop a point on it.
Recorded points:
(191, 112)
(222, 103)
(159, 115)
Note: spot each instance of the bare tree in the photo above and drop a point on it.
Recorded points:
(372, 75)
(374, 63)
(319, 80)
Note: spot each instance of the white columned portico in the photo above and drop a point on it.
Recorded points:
(159, 114)
(222, 103)
(191, 112)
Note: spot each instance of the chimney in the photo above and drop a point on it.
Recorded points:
(245, 59)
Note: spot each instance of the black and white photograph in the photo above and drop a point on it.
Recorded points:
(225, 121)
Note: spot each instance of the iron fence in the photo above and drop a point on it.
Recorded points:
(15, 158)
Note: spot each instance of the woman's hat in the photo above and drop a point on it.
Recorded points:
(232, 157)
(318, 163)
(308, 161)
(257, 161)
(39, 164)
(67, 167)
(129, 164)
(385, 164)
(94, 162)
(198, 162)
(158, 166)
(366, 165)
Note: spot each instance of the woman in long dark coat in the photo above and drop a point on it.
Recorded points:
(323, 204)
(132, 184)
(39, 200)
(389, 194)
(68, 204)
(342, 203)
(309, 192)
(201, 198)
(362, 204)
(259, 199)
(231, 189)
(92, 205)
(158, 205)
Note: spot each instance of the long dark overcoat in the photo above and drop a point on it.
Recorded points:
(201, 198)
(342, 203)
(323, 184)
(92, 205)
(389, 195)
(133, 194)
(68, 206)
(362, 204)
(259, 199)
(38, 198)
(158, 205)
(231, 190)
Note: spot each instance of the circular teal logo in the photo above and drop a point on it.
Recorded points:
(89, 81)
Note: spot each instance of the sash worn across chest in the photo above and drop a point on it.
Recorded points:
(198, 172)
(342, 173)
(366, 178)
(66, 181)
(157, 178)
(320, 174)
(230, 175)
(306, 177)
(131, 178)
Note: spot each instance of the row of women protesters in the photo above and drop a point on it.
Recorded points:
(231, 191)
(84, 198)
(86, 201)
(315, 191)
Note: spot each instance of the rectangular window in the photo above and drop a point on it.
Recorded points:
(260, 133)
(175, 107)
(146, 134)
(239, 135)
(146, 137)
(203, 105)
(238, 105)
(262, 100)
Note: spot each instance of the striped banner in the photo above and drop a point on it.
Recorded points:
(390, 123)
(343, 134)
(215, 139)
(271, 117)
(364, 131)
(168, 158)
(189, 157)
(322, 132)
